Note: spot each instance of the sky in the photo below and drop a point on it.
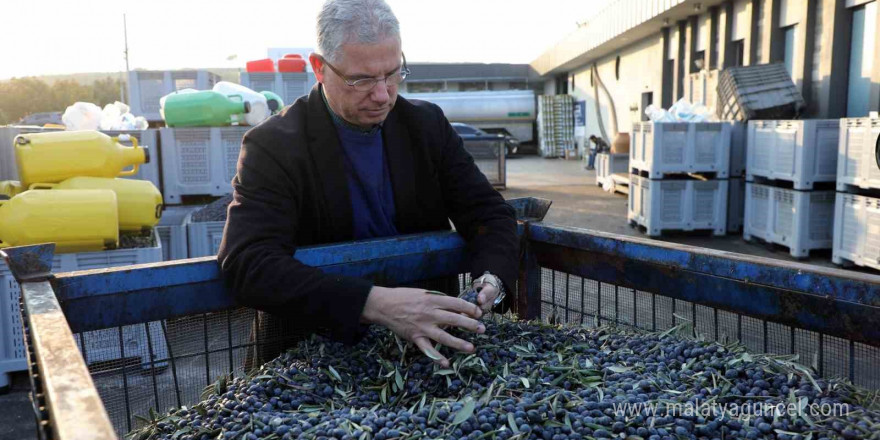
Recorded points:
(51, 37)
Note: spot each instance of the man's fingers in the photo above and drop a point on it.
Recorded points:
(445, 319)
(456, 305)
(451, 341)
(487, 296)
(427, 348)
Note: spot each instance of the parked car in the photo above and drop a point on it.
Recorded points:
(471, 133)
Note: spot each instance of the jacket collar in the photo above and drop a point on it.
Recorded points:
(327, 154)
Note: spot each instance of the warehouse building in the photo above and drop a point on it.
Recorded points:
(658, 51)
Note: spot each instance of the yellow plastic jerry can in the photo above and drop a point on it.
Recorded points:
(53, 157)
(75, 220)
(139, 201)
(9, 189)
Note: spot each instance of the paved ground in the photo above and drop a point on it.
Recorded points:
(577, 202)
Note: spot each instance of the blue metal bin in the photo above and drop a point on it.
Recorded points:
(827, 316)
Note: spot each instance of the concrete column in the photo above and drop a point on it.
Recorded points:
(835, 57)
(668, 75)
(726, 20)
(750, 48)
(805, 47)
(772, 37)
(681, 60)
(692, 27)
(714, 28)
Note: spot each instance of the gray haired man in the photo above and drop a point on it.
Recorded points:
(350, 161)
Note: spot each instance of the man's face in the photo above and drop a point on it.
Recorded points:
(359, 61)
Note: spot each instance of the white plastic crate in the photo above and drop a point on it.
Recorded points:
(147, 87)
(102, 345)
(736, 204)
(172, 232)
(857, 164)
(608, 164)
(803, 152)
(199, 161)
(204, 238)
(680, 147)
(759, 91)
(12, 351)
(289, 86)
(800, 220)
(682, 205)
(738, 149)
(856, 231)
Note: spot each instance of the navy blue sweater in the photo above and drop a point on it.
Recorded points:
(372, 198)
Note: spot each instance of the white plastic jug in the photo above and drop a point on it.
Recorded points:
(259, 106)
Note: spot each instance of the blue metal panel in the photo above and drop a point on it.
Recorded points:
(834, 302)
(844, 285)
(121, 296)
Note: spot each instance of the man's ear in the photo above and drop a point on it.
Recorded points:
(317, 66)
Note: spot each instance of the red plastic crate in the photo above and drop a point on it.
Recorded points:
(264, 65)
(291, 65)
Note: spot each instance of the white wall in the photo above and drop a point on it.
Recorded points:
(790, 12)
(640, 71)
(740, 20)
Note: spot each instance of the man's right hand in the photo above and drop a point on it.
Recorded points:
(419, 317)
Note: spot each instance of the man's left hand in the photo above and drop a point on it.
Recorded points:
(486, 297)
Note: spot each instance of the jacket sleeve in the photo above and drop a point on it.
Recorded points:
(479, 213)
(256, 254)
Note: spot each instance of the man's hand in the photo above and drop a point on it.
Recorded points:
(486, 297)
(419, 317)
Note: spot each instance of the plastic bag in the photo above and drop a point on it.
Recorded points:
(117, 116)
(681, 111)
(657, 114)
(82, 116)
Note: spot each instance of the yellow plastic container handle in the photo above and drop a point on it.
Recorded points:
(134, 144)
(42, 186)
(2, 244)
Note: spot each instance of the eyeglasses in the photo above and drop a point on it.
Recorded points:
(367, 84)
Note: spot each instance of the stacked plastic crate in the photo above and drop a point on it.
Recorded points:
(288, 85)
(678, 176)
(147, 87)
(857, 206)
(790, 172)
(556, 125)
(102, 346)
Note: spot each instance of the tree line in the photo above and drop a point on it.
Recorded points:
(20, 97)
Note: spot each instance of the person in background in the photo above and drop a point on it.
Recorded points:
(353, 160)
(597, 145)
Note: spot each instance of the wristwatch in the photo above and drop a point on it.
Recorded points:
(492, 280)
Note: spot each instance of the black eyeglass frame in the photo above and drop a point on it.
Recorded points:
(357, 84)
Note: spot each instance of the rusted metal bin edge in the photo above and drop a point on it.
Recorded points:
(73, 409)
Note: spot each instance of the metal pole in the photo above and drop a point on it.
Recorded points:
(121, 84)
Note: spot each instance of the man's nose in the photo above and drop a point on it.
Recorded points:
(380, 92)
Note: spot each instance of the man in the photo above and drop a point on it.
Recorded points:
(597, 145)
(350, 161)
